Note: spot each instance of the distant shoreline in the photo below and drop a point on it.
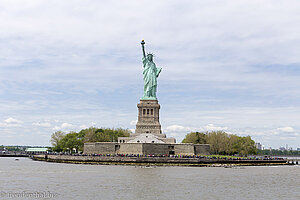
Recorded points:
(14, 155)
(155, 161)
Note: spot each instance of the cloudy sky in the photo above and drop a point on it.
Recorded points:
(227, 65)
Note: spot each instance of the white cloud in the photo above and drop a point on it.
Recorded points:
(186, 129)
(63, 126)
(9, 125)
(176, 128)
(42, 124)
(56, 128)
(173, 135)
(177, 131)
(180, 131)
(66, 125)
(11, 120)
(211, 127)
(286, 129)
(83, 126)
(133, 122)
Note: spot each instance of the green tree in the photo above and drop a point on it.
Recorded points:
(218, 141)
(69, 142)
(89, 134)
(56, 137)
(195, 138)
(277, 152)
(244, 146)
(222, 142)
(72, 141)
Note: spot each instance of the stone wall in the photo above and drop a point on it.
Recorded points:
(156, 149)
(100, 148)
(184, 149)
(152, 160)
(89, 148)
(146, 148)
(202, 149)
(130, 148)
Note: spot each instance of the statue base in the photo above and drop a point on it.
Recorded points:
(148, 128)
(148, 118)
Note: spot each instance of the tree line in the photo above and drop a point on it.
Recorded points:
(276, 152)
(222, 143)
(73, 141)
(11, 148)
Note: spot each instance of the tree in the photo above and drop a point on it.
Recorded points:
(73, 140)
(277, 152)
(89, 134)
(245, 146)
(222, 142)
(56, 138)
(218, 141)
(195, 138)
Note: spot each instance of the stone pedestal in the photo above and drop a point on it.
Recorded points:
(148, 128)
(148, 118)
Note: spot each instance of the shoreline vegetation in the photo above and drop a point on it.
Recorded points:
(73, 142)
(221, 143)
(224, 146)
(228, 150)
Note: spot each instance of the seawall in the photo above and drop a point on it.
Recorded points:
(157, 161)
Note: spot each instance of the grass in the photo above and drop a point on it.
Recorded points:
(223, 156)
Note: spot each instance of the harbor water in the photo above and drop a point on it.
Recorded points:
(24, 178)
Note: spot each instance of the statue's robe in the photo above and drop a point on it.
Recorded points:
(151, 72)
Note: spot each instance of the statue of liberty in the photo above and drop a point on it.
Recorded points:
(151, 72)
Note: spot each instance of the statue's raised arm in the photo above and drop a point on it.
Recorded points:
(143, 48)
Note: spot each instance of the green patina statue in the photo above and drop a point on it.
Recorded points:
(151, 72)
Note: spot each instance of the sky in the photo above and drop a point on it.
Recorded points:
(227, 65)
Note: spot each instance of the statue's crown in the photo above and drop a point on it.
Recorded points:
(150, 53)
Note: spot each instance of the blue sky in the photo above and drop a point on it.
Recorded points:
(227, 65)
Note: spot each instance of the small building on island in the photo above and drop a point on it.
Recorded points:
(36, 150)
